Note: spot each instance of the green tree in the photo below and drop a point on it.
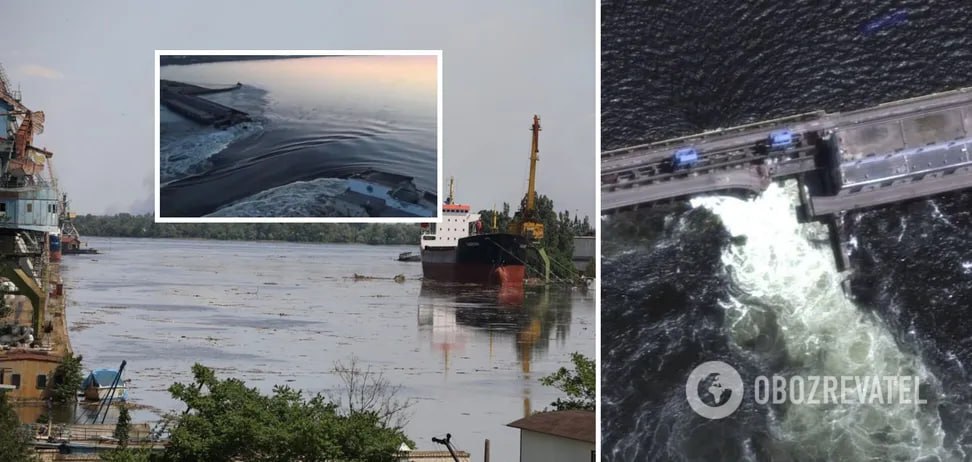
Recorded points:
(229, 421)
(67, 379)
(14, 437)
(580, 384)
(558, 236)
(128, 455)
(122, 426)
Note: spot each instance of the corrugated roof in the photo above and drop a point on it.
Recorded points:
(575, 425)
(455, 207)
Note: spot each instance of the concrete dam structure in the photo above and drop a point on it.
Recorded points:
(183, 99)
(851, 160)
(892, 152)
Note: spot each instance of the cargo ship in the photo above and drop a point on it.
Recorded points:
(456, 250)
(70, 241)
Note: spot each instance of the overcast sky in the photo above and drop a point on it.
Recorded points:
(90, 67)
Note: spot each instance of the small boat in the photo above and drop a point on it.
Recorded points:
(409, 256)
(97, 386)
(381, 194)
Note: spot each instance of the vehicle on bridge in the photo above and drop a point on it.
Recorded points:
(685, 158)
(781, 140)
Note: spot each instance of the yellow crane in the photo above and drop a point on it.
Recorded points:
(527, 223)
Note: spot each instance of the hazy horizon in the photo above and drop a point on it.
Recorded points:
(90, 67)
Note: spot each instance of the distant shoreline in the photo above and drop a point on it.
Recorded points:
(183, 60)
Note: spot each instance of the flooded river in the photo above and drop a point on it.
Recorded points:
(284, 313)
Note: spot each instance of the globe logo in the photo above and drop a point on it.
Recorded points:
(714, 390)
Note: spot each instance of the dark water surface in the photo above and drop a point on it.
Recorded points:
(317, 120)
(282, 313)
(678, 290)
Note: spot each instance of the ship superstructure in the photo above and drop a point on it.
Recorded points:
(456, 250)
(70, 240)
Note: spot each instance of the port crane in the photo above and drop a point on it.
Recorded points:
(527, 221)
(25, 160)
(21, 166)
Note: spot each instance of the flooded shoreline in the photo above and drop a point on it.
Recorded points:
(283, 313)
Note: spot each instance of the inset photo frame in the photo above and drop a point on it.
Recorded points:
(306, 136)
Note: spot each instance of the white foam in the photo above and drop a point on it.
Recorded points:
(297, 199)
(785, 278)
(190, 155)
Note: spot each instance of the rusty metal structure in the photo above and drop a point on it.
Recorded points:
(29, 217)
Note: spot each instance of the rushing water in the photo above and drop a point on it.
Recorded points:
(742, 281)
(282, 313)
(316, 120)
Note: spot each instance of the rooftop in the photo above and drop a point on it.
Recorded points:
(575, 425)
(882, 137)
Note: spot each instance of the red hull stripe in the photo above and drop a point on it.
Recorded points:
(476, 273)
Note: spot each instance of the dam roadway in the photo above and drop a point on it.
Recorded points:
(849, 160)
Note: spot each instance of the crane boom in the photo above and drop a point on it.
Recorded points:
(527, 222)
(534, 157)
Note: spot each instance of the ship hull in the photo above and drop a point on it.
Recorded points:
(491, 259)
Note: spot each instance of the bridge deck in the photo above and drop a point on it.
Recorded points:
(635, 175)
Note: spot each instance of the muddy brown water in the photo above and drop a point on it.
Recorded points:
(283, 313)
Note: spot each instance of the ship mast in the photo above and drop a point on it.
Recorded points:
(494, 218)
(452, 190)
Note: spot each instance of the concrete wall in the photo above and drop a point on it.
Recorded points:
(540, 447)
(584, 251)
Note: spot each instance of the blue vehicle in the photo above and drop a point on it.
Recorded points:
(685, 158)
(781, 139)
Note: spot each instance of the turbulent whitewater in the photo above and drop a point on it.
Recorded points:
(784, 287)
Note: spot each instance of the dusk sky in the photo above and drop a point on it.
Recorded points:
(90, 67)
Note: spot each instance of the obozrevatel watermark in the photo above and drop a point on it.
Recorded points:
(715, 390)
